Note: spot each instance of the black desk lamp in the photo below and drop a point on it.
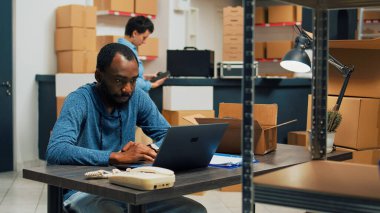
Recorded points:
(297, 60)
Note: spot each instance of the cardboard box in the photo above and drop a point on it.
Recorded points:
(73, 38)
(233, 48)
(260, 50)
(359, 128)
(278, 49)
(180, 98)
(76, 16)
(101, 41)
(116, 5)
(147, 7)
(369, 156)
(234, 56)
(364, 55)
(230, 39)
(299, 138)
(233, 20)
(59, 101)
(281, 13)
(150, 48)
(370, 15)
(265, 123)
(260, 15)
(298, 13)
(233, 30)
(76, 61)
(233, 11)
(186, 117)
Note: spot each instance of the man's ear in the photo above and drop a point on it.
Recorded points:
(98, 76)
(135, 33)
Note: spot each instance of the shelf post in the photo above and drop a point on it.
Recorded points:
(248, 87)
(319, 84)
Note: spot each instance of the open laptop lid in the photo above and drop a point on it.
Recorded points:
(187, 147)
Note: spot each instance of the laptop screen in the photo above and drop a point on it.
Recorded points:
(187, 147)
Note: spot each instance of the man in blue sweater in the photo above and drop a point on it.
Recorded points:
(96, 127)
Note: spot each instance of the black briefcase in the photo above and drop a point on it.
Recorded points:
(190, 62)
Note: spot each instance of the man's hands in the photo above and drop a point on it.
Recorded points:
(133, 152)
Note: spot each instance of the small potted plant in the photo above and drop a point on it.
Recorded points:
(334, 118)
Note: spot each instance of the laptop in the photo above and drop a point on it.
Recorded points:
(187, 147)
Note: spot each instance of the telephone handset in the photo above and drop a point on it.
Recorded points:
(153, 169)
(144, 178)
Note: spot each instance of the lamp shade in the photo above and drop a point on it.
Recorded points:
(296, 60)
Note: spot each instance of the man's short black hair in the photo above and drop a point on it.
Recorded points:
(140, 24)
(108, 52)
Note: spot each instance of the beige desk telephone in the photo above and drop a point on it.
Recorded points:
(144, 178)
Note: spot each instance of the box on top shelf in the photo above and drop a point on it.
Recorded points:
(370, 15)
(76, 61)
(260, 15)
(101, 41)
(116, 5)
(74, 38)
(359, 128)
(364, 56)
(76, 16)
(146, 7)
(149, 48)
(283, 13)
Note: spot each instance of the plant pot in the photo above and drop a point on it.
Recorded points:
(329, 141)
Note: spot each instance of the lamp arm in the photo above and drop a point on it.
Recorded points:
(346, 72)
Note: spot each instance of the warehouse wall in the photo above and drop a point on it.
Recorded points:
(33, 45)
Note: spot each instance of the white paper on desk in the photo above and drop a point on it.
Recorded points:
(225, 160)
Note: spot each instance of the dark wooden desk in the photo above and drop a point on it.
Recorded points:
(322, 186)
(72, 177)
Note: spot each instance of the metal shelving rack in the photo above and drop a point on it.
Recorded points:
(319, 84)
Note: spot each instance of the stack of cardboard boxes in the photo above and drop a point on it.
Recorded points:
(281, 14)
(264, 49)
(360, 108)
(136, 7)
(75, 39)
(233, 34)
(359, 130)
(143, 7)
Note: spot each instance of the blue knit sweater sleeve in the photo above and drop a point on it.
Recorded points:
(63, 146)
(150, 119)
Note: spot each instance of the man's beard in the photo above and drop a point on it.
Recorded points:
(112, 98)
